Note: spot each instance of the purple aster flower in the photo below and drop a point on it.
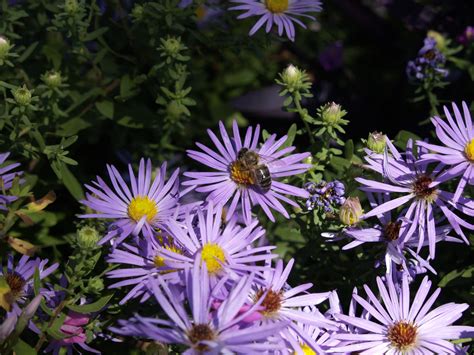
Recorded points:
(321, 340)
(284, 303)
(282, 13)
(325, 194)
(145, 207)
(204, 330)
(458, 149)
(429, 64)
(19, 279)
(236, 178)
(419, 187)
(226, 250)
(467, 36)
(142, 261)
(399, 326)
(6, 180)
(387, 232)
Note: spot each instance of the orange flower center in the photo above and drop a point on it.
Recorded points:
(271, 303)
(402, 335)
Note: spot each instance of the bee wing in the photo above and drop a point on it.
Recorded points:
(265, 159)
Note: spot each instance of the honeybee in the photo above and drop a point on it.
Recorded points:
(259, 174)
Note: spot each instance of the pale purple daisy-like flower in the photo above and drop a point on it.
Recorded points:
(204, 330)
(419, 186)
(142, 261)
(388, 232)
(144, 207)
(320, 340)
(233, 180)
(284, 303)
(226, 250)
(458, 150)
(398, 325)
(6, 180)
(282, 13)
(19, 279)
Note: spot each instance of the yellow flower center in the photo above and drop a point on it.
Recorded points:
(277, 6)
(142, 206)
(469, 150)
(201, 12)
(306, 350)
(402, 335)
(240, 175)
(159, 260)
(212, 254)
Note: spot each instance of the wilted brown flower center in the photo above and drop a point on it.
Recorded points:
(198, 333)
(422, 190)
(271, 303)
(392, 230)
(402, 335)
(16, 284)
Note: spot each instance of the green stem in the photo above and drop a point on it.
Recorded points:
(300, 111)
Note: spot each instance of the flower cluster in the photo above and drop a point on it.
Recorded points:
(218, 284)
(325, 194)
(429, 64)
(427, 214)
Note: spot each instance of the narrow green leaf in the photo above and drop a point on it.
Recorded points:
(71, 183)
(23, 348)
(106, 108)
(93, 35)
(91, 307)
(27, 52)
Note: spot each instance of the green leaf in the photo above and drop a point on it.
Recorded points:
(402, 138)
(27, 52)
(71, 183)
(91, 307)
(23, 348)
(93, 35)
(291, 136)
(128, 121)
(106, 108)
(55, 329)
(72, 126)
(349, 149)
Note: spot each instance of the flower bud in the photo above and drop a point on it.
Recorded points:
(376, 142)
(332, 113)
(88, 237)
(308, 160)
(52, 78)
(4, 47)
(350, 211)
(71, 6)
(439, 38)
(22, 96)
(293, 78)
(137, 12)
(172, 46)
(30, 310)
(96, 285)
